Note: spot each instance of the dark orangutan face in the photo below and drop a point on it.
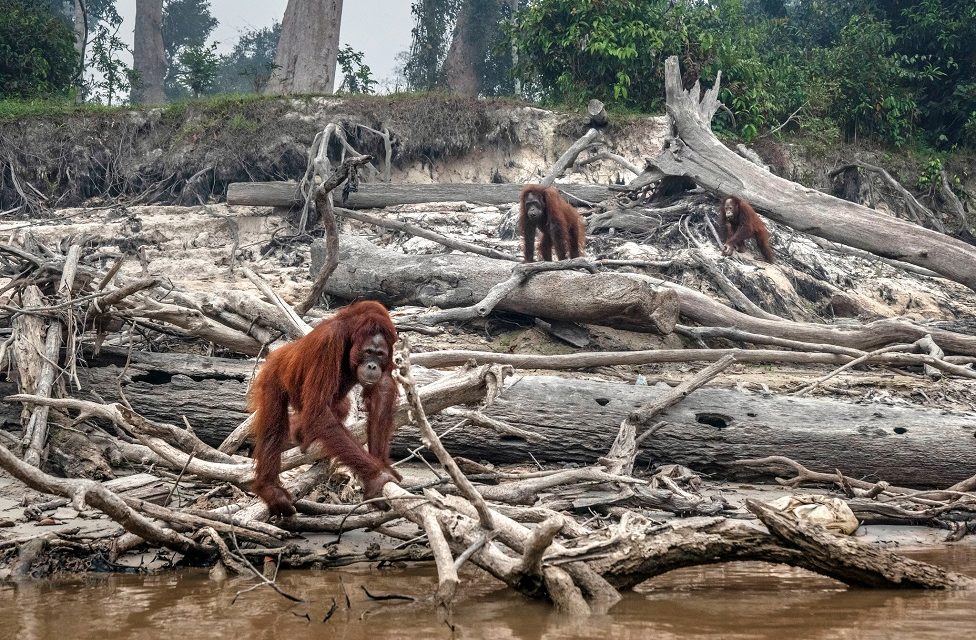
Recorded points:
(534, 207)
(372, 360)
(729, 209)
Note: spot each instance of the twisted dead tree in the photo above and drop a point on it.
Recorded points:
(694, 152)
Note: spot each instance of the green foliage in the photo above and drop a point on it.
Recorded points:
(197, 68)
(37, 55)
(99, 11)
(113, 77)
(570, 51)
(896, 70)
(249, 65)
(941, 33)
(17, 110)
(430, 40)
(929, 175)
(873, 82)
(356, 75)
(240, 122)
(187, 24)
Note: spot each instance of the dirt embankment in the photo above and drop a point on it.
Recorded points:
(186, 153)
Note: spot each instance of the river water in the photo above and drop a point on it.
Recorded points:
(739, 600)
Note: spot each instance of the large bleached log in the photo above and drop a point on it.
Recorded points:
(446, 281)
(378, 195)
(622, 300)
(698, 154)
(708, 431)
(712, 428)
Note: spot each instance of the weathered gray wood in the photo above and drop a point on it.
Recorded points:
(378, 195)
(212, 406)
(706, 311)
(446, 281)
(905, 446)
(700, 156)
(165, 387)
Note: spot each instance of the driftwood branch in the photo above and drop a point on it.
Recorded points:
(433, 442)
(419, 232)
(323, 204)
(623, 452)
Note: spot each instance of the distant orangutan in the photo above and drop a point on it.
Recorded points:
(560, 226)
(313, 376)
(737, 223)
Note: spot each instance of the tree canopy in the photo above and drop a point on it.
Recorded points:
(37, 54)
(897, 70)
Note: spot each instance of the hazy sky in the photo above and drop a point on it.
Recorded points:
(380, 28)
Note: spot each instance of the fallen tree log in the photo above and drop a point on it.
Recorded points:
(709, 431)
(378, 195)
(696, 153)
(175, 388)
(703, 310)
(623, 300)
(446, 281)
(713, 428)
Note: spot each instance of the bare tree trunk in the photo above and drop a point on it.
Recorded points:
(79, 24)
(148, 55)
(306, 58)
(515, 59)
(469, 46)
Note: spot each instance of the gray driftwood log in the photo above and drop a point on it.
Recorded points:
(460, 280)
(624, 300)
(378, 195)
(708, 431)
(695, 152)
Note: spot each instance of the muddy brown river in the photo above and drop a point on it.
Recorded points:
(741, 600)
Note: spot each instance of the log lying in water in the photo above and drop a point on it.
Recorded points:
(378, 195)
(708, 431)
(445, 281)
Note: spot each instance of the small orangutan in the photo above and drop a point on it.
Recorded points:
(560, 225)
(737, 223)
(314, 375)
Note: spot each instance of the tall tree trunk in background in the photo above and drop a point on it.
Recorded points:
(148, 56)
(306, 56)
(474, 31)
(518, 83)
(79, 23)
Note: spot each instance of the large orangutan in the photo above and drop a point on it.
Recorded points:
(737, 223)
(558, 222)
(314, 375)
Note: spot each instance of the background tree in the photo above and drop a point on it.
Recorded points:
(356, 75)
(429, 44)
(475, 30)
(305, 61)
(111, 77)
(197, 68)
(148, 55)
(460, 45)
(247, 68)
(37, 53)
(187, 24)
